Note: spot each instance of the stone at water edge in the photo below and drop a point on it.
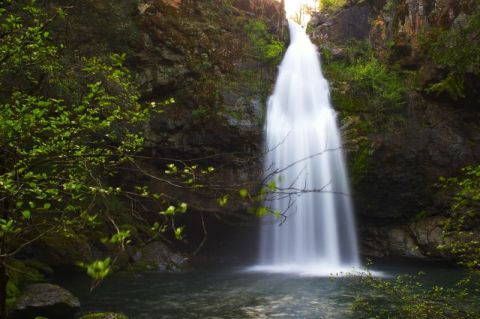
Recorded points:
(45, 300)
(157, 256)
(104, 315)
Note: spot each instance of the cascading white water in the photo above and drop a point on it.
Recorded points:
(304, 143)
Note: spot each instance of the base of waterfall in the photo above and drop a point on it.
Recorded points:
(316, 270)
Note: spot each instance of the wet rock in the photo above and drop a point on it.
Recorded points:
(104, 315)
(45, 300)
(157, 256)
(418, 239)
(428, 233)
(402, 243)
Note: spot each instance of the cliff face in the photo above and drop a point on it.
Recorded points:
(209, 65)
(400, 209)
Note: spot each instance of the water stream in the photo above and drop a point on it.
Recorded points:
(305, 160)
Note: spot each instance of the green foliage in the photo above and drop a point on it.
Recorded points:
(457, 50)
(370, 96)
(366, 87)
(332, 5)
(461, 235)
(97, 270)
(266, 47)
(222, 201)
(381, 85)
(69, 127)
(407, 298)
(243, 193)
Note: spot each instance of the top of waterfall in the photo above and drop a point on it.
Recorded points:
(297, 31)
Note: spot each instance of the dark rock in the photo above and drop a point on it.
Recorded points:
(157, 256)
(59, 251)
(373, 243)
(45, 300)
(428, 233)
(402, 243)
(433, 141)
(430, 74)
(350, 23)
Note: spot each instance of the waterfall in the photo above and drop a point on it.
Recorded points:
(304, 158)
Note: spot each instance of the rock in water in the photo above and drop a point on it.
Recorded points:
(46, 300)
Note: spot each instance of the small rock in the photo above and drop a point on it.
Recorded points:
(104, 315)
(45, 300)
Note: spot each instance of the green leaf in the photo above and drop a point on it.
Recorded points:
(182, 208)
(179, 232)
(243, 193)
(26, 214)
(222, 201)
(272, 185)
(261, 211)
(277, 214)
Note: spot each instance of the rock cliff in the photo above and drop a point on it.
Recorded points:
(399, 208)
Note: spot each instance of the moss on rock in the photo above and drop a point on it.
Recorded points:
(104, 315)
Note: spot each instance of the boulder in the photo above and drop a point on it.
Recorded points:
(402, 243)
(157, 256)
(45, 300)
(429, 234)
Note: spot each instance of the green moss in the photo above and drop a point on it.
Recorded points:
(365, 86)
(265, 46)
(332, 6)
(370, 96)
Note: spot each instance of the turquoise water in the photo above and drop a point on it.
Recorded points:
(233, 292)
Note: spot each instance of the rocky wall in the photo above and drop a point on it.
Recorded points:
(400, 211)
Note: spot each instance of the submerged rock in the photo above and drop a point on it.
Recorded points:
(45, 300)
(104, 315)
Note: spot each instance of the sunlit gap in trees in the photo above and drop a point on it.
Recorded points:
(300, 11)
